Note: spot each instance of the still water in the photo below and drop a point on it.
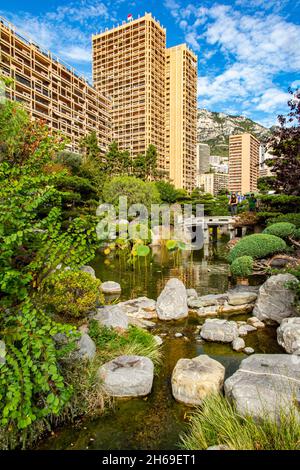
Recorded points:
(157, 421)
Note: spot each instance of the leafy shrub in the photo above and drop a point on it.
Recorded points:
(242, 266)
(72, 293)
(290, 217)
(257, 246)
(281, 229)
(297, 234)
(279, 203)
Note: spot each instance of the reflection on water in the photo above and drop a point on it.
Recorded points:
(206, 275)
(157, 421)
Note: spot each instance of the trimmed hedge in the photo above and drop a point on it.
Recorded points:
(292, 218)
(242, 266)
(296, 234)
(257, 245)
(281, 229)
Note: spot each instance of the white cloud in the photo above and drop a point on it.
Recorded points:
(76, 54)
(253, 49)
(271, 99)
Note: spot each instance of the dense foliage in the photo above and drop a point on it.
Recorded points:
(284, 144)
(32, 245)
(279, 203)
(242, 266)
(136, 191)
(291, 218)
(281, 229)
(72, 293)
(257, 246)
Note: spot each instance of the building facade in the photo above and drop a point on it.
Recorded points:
(181, 116)
(52, 91)
(213, 183)
(153, 92)
(264, 155)
(129, 68)
(203, 157)
(243, 163)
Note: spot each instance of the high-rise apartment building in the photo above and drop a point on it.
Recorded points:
(129, 67)
(213, 183)
(243, 163)
(52, 91)
(203, 157)
(153, 93)
(181, 116)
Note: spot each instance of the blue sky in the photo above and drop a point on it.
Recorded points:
(248, 50)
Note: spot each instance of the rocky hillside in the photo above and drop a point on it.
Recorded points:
(215, 128)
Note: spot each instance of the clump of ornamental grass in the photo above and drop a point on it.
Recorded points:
(217, 422)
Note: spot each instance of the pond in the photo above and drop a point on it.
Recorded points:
(156, 422)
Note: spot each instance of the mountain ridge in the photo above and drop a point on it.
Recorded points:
(214, 129)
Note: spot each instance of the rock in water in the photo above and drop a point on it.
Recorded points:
(89, 270)
(191, 293)
(253, 321)
(288, 335)
(112, 316)
(110, 287)
(222, 331)
(241, 298)
(238, 344)
(248, 350)
(127, 376)
(86, 348)
(194, 379)
(172, 302)
(275, 300)
(266, 385)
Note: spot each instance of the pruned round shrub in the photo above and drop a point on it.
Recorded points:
(281, 229)
(257, 245)
(242, 266)
(72, 293)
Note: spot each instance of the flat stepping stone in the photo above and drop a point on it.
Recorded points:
(127, 376)
(195, 379)
(218, 330)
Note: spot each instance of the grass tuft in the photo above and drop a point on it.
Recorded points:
(218, 422)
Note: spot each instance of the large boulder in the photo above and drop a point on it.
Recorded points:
(85, 348)
(275, 300)
(127, 376)
(288, 335)
(265, 385)
(172, 302)
(110, 287)
(194, 379)
(112, 316)
(222, 331)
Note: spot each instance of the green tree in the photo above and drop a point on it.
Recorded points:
(168, 192)
(136, 190)
(285, 146)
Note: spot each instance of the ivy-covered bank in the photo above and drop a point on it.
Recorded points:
(45, 296)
